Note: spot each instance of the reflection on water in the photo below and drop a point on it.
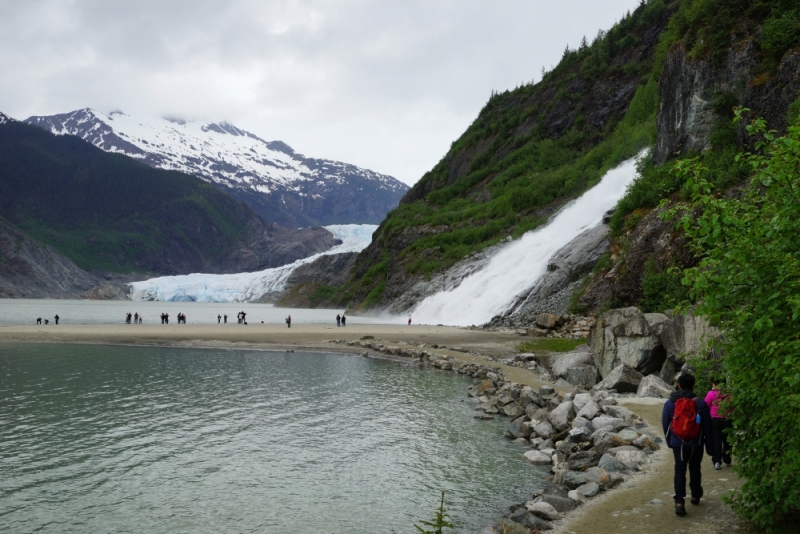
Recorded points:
(130, 439)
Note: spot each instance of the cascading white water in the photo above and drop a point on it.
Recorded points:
(517, 267)
(244, 287)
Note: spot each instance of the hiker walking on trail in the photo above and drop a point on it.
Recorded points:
(722, 450)
(686, 421)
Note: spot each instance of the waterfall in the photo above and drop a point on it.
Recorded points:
(517, 266)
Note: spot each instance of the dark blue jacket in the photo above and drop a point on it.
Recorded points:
(706, 436)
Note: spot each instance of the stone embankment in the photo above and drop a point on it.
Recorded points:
(583, 437)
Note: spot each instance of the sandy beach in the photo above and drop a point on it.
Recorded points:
(625, 509)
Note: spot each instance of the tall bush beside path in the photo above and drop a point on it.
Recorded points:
(748, 284)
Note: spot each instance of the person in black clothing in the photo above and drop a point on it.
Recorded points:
(219, 318)
(56, 318)
(688, 454)
(344, 320)
(226, 318)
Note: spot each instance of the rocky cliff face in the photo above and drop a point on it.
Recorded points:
(31, 270)
(690, 87)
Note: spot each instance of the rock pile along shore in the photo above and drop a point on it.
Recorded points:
(587, 442)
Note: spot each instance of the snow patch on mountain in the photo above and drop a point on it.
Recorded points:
(244, 287)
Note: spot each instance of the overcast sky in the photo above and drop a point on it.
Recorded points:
(386, 85)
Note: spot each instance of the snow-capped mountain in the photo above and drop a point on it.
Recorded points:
(279, 184)
(4, 118)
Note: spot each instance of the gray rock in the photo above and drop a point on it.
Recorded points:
(580, 461)
(521, 441)
(624, 379)
(598, 476)
(561, 416)
(607, 422)
(581, 399)
(544, 429)
(519, 429)
(627, 436)
(507, 526)
(577, 435)
(513, 410)
(633, 460)
(623, 413)
(624, 337)
(562, 364)
(546, 390)
(538, 458)
(603, 440)
(589, 410)
(610, 464)
(644, 442)
(589, 489)
(582, 375)
(576, 497)
(622, 448)
(523, 517)
(656, 502)
(653, 386)
(571, 479)
(686, 334)
(561, 504)
(550, 321)
(543, 510)
(546, 444)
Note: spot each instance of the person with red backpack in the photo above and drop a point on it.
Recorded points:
(686, 420)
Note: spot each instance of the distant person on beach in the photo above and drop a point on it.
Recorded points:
(338, 320)
(141, 319)
(409, 320)
(166, 318)
(127, 318)
(38, 320)
(344, 320)
(289, 321)
(56, 318)
(686, 421)
(162, 318)
(226, 318)
(720, 424)
(136, 318)
(47, 321)
(219, 318)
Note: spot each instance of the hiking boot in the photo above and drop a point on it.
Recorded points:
(717, 466)
(680, 509)
(695, 501)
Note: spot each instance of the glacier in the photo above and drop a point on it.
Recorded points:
(244, 287)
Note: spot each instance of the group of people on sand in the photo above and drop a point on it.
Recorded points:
(691, 423)
(135, 318)
(47, 321)
(241, 316)
(181, 318)
(341, 320)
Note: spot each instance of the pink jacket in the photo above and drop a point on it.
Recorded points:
(713, 398)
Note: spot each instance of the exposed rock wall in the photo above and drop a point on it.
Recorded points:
(688, 87)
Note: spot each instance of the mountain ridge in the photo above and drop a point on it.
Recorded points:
(280, 184)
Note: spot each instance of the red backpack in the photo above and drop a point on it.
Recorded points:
(685, 422)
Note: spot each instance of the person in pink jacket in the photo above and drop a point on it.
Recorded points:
(720, 423)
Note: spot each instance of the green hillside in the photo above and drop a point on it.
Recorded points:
(110, 212)
(529, 151)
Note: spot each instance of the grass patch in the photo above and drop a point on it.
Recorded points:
(550, 344)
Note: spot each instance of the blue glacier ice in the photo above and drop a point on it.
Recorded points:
(244, 287)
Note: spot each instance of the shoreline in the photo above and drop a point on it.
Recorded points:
(607, 512)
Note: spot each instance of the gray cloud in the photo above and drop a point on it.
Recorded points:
(385, 85)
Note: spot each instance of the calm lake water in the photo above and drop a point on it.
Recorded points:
(134, 439)
(25, 311)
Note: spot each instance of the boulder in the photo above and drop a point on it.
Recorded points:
(606, 422)
(626, 437)
(508, 526)
(513, 410)
(644, 442)
(622, 378)
(546, 390)
(550, 321)
(653, 386)
(561, 416)
(623, 413)
(603, 440)
(538, 458)
(561, 504)
(582, 375)
(577, 435)
(685, 334)
(590, 489)
(571, 479)
(487, 386)
(527, 520)
(598, 476)
(543, 510)
(576, 497)
(543, 429)
(583, 460)
(624, 337)
(589, 410)
(633, 460)
(610, 464)
(519, 429)
(580, 400)
(582, 422)
(562, 364)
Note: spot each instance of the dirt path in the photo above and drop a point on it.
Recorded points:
(629, 509)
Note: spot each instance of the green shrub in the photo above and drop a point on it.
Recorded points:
(661, 289)
(748, 284)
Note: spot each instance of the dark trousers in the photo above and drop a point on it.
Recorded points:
(722, 450)
(691, 457)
